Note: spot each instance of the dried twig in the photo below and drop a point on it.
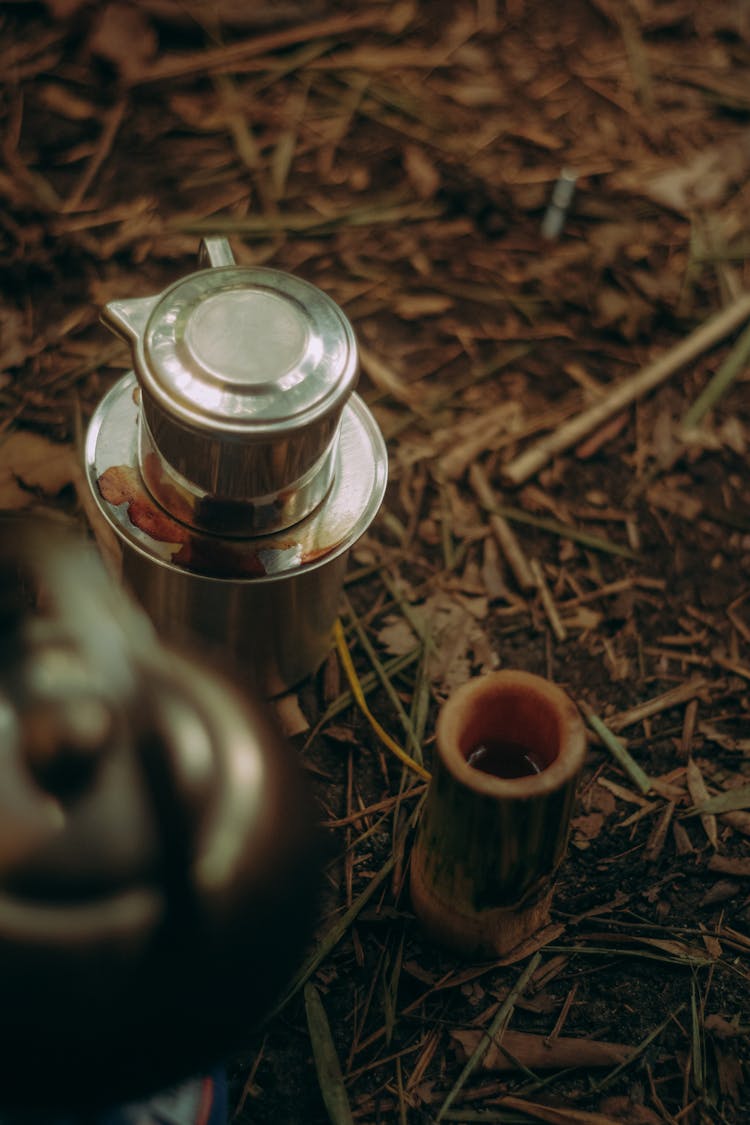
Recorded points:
(385, 738)
(700, 339)
(229, 56)
(539, 1052)
(699, 794)
(112, 123)
(493, 1034)
(550, 1115)
(733, 365)
(548, 602)
(682, 694)
(638, 1051)
(502, 531)
(637, 775)
(563, 531)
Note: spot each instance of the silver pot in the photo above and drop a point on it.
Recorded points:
(236, 464)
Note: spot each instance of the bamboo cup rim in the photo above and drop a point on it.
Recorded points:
(519, 707)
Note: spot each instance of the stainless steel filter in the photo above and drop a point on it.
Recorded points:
(236, 464)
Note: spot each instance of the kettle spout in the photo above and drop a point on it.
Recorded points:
(128, 319)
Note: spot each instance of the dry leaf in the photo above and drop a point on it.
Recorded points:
(627, 1112)
(422, 173)
(720, 892)
(122, 35)
(721, 1027)
(739, 821)
(730, 865)
(731, 1074)
(61, 100)
(682, 841)
(559, 1115)
(706, 179)
(601, 799)
(33, 461)
(63, 9)
(656, 840)
(460, 643)
(15, 346)
(397, 636)
(587, 828)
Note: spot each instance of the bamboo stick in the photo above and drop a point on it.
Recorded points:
(627, 391)
(733, 365)
(489, 843)
(502, 531)
(548, 602)
(493, 1034)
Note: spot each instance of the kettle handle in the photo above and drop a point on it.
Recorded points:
(215, 252)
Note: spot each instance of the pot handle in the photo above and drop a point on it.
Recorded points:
(215, 252)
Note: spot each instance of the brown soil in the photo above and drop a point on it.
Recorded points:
(403, 157)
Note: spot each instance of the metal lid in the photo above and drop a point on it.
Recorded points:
(247, 350)
(241, 355)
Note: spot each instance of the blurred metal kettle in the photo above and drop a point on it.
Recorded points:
(157, 860)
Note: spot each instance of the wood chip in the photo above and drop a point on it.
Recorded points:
(505, 537)
(656, 840)
(548, 603)
(682, 842)
(688, 728)
(386, 379)
(290, 716)
(730, 865)
(673, 698)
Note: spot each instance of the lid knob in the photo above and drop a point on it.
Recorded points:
(244, 373)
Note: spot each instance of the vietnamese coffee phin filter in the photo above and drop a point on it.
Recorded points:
(235, 463)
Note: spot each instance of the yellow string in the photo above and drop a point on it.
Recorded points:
(359, 695)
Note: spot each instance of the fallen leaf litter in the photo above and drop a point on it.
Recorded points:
(568, 430)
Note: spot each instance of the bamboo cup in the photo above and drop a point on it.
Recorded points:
(488, 846)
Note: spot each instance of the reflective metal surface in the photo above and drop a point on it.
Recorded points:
(236, 465)
(244, 374)
(270, 601)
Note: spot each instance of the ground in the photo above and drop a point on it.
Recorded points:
(404, 157)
